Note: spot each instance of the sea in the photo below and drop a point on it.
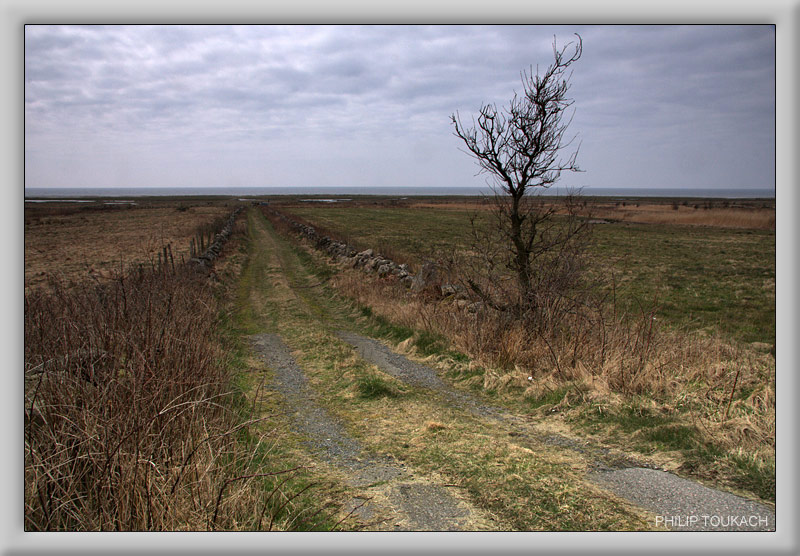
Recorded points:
(75, 194)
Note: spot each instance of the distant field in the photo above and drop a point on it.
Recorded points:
(704, 267)
(758, 214)
(74, 241)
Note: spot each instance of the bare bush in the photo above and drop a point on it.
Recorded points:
(557, 284)
(130, 420)
(519, 146)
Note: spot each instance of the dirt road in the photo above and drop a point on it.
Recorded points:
(425, 456)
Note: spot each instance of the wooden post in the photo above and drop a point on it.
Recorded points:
(171, 260)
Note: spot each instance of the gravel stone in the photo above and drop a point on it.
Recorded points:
(424, 503)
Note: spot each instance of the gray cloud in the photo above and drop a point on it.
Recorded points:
(356, 105)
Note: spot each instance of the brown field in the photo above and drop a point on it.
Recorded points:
(750, 214)
(80, 243)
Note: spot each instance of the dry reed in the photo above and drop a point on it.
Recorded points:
(131, 423)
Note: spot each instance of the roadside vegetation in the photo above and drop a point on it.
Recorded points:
(718, 280)
(137, 416)
(145, 409)
(678, 363)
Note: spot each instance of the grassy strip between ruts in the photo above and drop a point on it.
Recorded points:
(524, 487)
(307, 499)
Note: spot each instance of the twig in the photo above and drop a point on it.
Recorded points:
(301, 491)
(735, 379)
(351, 512)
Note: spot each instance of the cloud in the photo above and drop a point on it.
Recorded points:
(311, 102)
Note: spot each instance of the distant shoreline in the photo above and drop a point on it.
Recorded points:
(67, 194)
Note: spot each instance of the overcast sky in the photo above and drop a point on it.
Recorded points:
(252, 106)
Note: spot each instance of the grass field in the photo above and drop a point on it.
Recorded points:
(699, 401)
(137, 408)
(76, 242)
(717, 279)
(523, 487)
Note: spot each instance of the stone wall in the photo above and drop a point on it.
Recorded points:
(428, 277)
(204, 260)
(348, 255)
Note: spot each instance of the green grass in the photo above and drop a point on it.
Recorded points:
(701, 277)
(382, 327)
(371, 386)
(414, 234)
(754, 475)
(709, 279)
(301, 500)
(549, 398)
(646, 431)
(714, 279)
(427, 343)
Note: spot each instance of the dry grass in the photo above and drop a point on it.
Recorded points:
(749, 217)
(706, 400)
(78, 244)
(132, 418)
(754, 215)
(118, 394)
(451, 205)
(724, 393)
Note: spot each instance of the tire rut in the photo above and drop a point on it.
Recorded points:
(422, 376)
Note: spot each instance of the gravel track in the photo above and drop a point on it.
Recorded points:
(422, 376)
(413, 504)
(418, 505)
(679, 504)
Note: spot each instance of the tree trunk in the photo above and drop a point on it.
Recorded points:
(521, 254)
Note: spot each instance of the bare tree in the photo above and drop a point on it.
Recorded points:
(520, 146)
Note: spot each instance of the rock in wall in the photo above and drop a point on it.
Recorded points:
(429, 277)
(204, 261)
